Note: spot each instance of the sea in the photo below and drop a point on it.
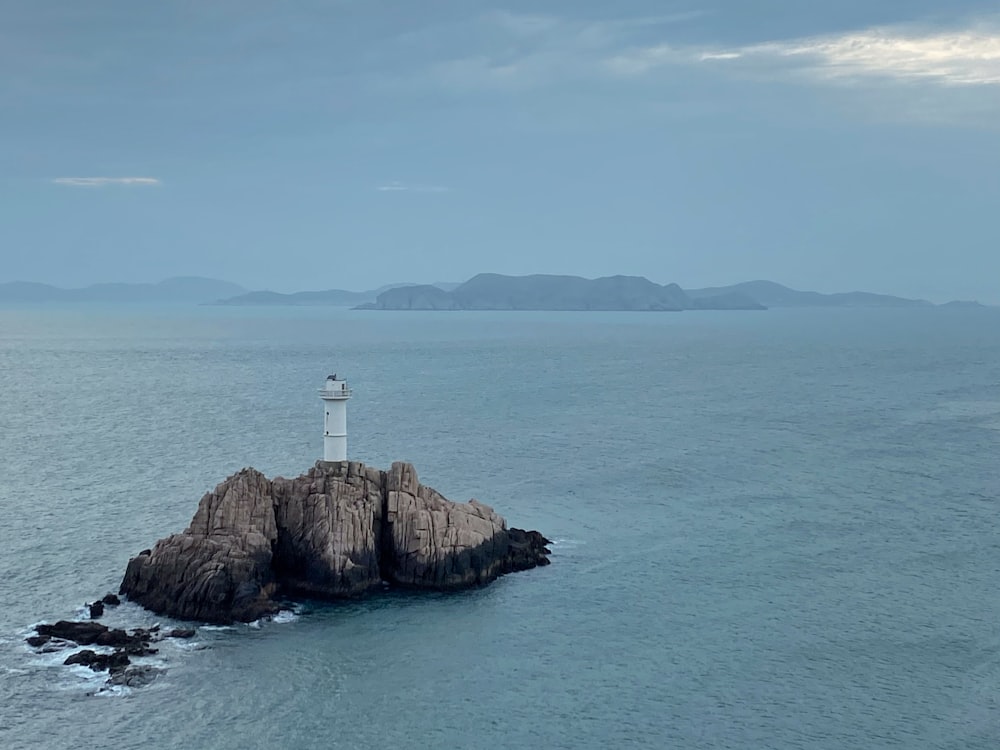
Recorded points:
(769, 529)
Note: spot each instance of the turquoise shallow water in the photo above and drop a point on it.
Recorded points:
(773, 529)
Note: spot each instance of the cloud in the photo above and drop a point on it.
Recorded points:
(106, 181)
(964, 57)
(719, 56)
(957, 57)
(401, 187)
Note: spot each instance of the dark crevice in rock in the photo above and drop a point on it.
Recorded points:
(385, 552)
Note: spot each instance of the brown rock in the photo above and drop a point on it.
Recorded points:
(330, 524)
(337, 531)
(219, 569)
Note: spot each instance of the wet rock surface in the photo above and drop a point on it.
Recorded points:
(340, 530)
(115, 661)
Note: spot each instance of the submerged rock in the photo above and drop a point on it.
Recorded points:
(340, 530)
(134, 676)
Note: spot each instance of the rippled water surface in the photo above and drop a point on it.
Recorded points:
(773, 529)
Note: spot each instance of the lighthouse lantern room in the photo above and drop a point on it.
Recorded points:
(335, 394)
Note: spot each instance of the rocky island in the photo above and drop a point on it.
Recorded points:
(340, 530)
(491, 291)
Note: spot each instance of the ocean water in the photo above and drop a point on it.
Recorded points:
(772, 530)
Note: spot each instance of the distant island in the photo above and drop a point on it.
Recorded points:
(490, 291)
(328, 297)
(486, 291)
(771, 294)
(636, 293)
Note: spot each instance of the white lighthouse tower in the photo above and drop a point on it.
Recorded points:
(335, 394)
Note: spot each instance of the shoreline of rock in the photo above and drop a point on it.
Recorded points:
(339, 531)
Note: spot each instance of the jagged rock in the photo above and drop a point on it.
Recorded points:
(84, 633)
(96, 610)
(138, 649)
(219, 569)
(435, 543)
(99, 662)
(134, 676)
(340, 530)
(528, 549)
(330, 526)
(135, 643)
(180, 633)
(111, 600)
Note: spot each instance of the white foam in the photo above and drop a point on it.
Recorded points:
(55, 658)
(216, 627)
(185, 645)
(285, 616)
(565, 543)
(150, 661)
(84, 674)
(58, 658)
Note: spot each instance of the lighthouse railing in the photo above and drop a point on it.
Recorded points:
(345, 393)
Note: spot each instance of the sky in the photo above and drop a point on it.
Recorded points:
(351, 143)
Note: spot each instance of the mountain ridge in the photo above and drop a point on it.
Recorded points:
(180, 289)
(773, 294)
(486, 291)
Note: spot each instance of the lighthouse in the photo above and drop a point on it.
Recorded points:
(335, 394)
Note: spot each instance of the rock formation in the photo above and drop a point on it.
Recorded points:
(340, 530)
(68, 634)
